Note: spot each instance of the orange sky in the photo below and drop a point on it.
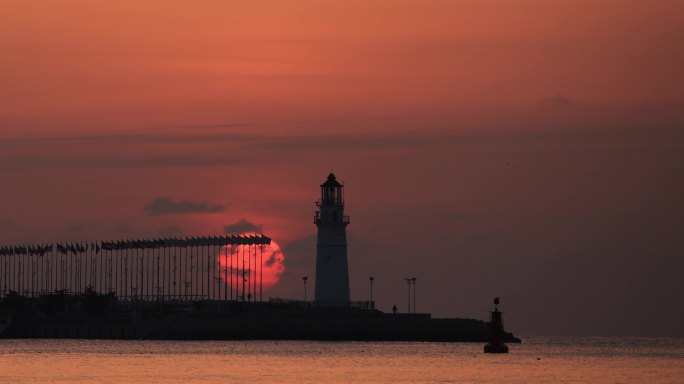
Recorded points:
(517, 148)
(103, 64)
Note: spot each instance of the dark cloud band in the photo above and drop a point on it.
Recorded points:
(166, 205)
(242, 226)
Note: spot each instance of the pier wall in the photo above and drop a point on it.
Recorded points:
(229, 325)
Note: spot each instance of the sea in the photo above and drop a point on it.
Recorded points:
(536, 360)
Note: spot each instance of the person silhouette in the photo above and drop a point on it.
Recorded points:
(394, 309)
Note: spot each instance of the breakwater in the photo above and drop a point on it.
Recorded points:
(243, 321)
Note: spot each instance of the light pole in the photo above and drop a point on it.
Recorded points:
(304, 279)
(371, 288)
(413, 280)
(408, 284)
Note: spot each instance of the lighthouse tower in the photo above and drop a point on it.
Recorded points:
(332, 273)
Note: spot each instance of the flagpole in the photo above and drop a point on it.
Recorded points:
(198, 269)
(2, 272)
(225, 260)
(99, 272)
(232, 283)
(175, 244)
(60, 274)
(135, 272)
(76, 273)
(121, 286)
(186, 283)
(158, 286)
(41, 268)
(166, 273)
(47, 273)
(67, 270)
(167, 280)
(141, 271)
(153, 271)
(17, 271)
(11, 270)
(251, 274)
(261, 272)
(212, 263)
(211, 251)
(33, 276)
(127, 267)
(21, 271)
(91, 269)
(204, 271)
(44, 276)
(34, 272)
(14, 275)
(244, 274)
(200, 262)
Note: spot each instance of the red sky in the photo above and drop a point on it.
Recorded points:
(527, 149)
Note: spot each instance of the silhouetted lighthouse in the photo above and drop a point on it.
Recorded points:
(332, 273)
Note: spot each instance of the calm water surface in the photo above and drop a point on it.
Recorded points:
(538, 360)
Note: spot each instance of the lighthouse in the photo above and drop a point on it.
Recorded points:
(332, 272)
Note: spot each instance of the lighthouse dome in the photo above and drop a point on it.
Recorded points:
(331, 182)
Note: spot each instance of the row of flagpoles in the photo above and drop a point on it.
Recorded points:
(64, 248)
(192, 268)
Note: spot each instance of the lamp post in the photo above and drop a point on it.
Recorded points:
(413, 280)
(304, 279)
(371, 291)
(408, 284)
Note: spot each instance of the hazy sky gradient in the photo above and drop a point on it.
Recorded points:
(532, 150)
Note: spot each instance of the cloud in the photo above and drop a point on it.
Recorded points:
(301, 253)
(171, 231)
(122, 228)
(80, 227)
(197, 148)
(204, 126)
(242, 226)
(273, 259)
(556, 101)
(165, 205)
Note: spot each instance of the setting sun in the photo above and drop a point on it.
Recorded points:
(242, 264)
